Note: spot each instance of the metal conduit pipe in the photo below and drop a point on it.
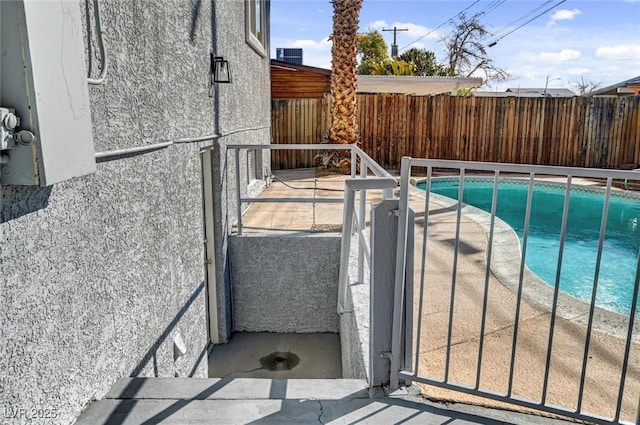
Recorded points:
(163, 145)
(103, 52)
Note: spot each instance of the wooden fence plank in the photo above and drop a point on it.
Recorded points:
(587, 132)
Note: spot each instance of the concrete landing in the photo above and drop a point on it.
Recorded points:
(263, 401)
(277, 356)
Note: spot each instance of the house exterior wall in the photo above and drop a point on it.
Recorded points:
(101, 273)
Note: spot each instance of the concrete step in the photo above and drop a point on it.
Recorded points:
(188, 401)
(238, 389)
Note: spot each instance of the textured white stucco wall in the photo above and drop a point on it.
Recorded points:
(99, 274)
(285, 283)
(354, 322)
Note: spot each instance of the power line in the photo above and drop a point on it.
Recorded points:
(491, 7)
(441, 25)
(480, 48)
(494, 42)
(523, 17)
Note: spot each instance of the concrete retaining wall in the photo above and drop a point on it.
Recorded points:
(354, 324)
(285, 283)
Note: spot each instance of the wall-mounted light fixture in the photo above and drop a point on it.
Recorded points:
(220, 71)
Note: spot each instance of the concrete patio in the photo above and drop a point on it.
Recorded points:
(264, 401)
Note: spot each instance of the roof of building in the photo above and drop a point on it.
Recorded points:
(526, 92)
(614, 88)
(538, 92)
(295, 67)
(416, 85)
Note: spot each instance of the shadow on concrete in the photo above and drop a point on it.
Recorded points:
(132, 389)
(276, 409)
(463, 247)
(179, 404)
(374, 410)
(165, 334)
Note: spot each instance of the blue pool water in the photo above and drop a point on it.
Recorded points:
(622, 240)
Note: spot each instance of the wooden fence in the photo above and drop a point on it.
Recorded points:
(597, 132)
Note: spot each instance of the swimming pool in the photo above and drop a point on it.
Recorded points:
(622, 239)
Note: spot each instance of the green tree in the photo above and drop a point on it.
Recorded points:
(371, 49)
(391, 66)
(424, 62)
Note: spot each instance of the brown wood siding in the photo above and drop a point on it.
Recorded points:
(601, 132)
(288, 84)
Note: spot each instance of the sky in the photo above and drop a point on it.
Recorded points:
(598, 41)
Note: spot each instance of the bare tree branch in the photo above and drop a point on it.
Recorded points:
(466, 52)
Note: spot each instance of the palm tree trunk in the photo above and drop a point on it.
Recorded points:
(344, 122)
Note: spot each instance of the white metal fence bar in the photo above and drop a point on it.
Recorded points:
(516, 321)
(627, 348)
(401, 256)
(532, 172)
(425, 240)
(594, 292)
(364, 242)
(487, 275)
(556, 288)
(598, 173)
(454, 274)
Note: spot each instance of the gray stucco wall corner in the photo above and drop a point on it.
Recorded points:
(100, 274)
(244, 113)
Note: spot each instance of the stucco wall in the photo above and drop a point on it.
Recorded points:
(285, 283)
(354, 322)
(100, 273)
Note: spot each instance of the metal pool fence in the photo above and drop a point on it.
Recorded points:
(474, 335)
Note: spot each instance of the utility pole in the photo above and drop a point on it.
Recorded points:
(394, 46)
(546, 85)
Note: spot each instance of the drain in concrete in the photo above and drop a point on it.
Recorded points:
(279, 361)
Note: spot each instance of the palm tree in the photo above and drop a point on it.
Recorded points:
(344, 123)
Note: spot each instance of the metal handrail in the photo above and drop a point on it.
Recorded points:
(353, 218)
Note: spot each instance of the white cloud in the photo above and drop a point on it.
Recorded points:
(322, 45)
(620, 51)
(315, 52)
(578, 71)
(564, 15)
(565, 55)
(377, 25)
